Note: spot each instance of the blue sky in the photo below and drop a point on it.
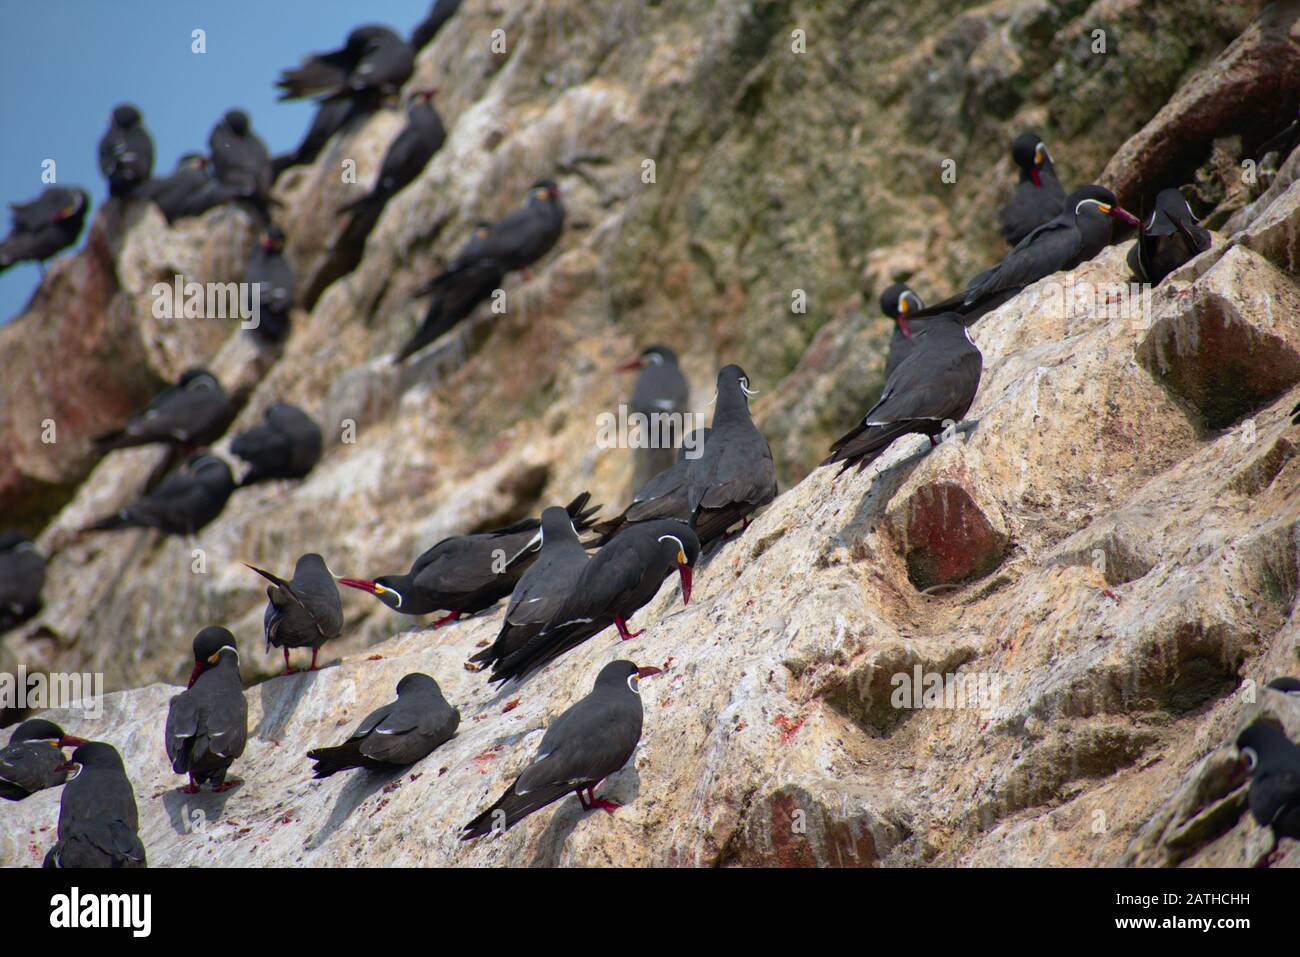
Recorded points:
(64, 65)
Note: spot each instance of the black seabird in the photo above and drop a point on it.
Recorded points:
(467, 282)
(664, 496)
(330, 117)
(897, 302)
(45, 226)
(240, 160)
(125, 152)
(622, 578)
(1285, 684)
(193, 412)
(1080, 232)
(33, 759)
(464, 574)
(268, 267)
(1039, 196)
(408, 154)
(286, 444)
(591, 740)
(190, 191)
(1170, 238)
(207, 723)
(734, 475)
(427, 29)
(661, 390)
(521, 238)
(182, 504)
(22, 576)
(935, 384)
(374, 59)
(541, 589)
(1273, 762)
(303, 613)
(396, 735)
(98, 819)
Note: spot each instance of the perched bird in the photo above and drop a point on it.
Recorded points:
(896, 302)
(241, 161)
(660, 390)
(398, 734)
(664, 496)
(622, 578)
(126, 152)
(33, 759)
(426, 29)
(1285, 684)
(455, 295)
(287, 444)
(98, 819)
(374, 59)
(591, 740)
(735, 475)
(1171, 238)
(190, 191)
(408, 154)
(330, 117)
(22, 576)
(542, 588)
(191, 413)
(1273, 762)
(1039, 196)
(271, 271)
(935, 384)
(207, 723)
(1080, 232)
(303, 613)
(521, 238)
(182, 504)
(45, 226)
(464, 574)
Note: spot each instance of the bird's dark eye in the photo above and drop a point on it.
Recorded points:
(1250, 757)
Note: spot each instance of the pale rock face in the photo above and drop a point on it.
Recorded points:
(1106, 548)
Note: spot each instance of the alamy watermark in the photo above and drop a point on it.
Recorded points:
(656, 430)
(73, 691)
(931, 690)
(208, 300)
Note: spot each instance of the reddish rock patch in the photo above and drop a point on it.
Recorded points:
(947, 538)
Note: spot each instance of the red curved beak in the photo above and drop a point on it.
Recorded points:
(1124, 216)
(360, 584)
(194, 674)
(902, 324)
(630, 366)
(71, 741)
(685, 572)
(647, 672)
(1033, 174)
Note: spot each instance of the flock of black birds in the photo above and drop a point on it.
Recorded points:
(559, 594)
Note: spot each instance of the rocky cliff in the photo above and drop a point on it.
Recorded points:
(1110, 541)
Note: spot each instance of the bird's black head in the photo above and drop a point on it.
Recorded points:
(1028, 151)
(623, 674)
(733, 384)
(1097, 201)
(209, 645)
(390, 589)
(208, 468)
(94, 754)
(272, 239)
(196, 375)
(417, 682)
(556, 523)
(482, 230)
(423, 96)
(679, 547)
(311, 564)
(1172, 204)
(192, 161)
(1259, 742)
(545, 191)
(897, 301)
(1285, 684)
(126, 116)
(237, 121)
(39, 729)
(656, 355)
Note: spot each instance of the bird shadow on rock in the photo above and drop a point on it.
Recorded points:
(190, 813)
(280, 699)
(623, 787)
(363, 784)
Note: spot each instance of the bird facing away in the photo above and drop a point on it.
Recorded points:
(33, 759)
(456, 293)
(182, 504)
(897, 302)
(268, 268)
(590, 741)
(125, 152)
(207, 723)
(193, 412)
(660, 390)
(22, 576)
(934, 385)
(373, 59)
(1273, 762)
(408, 154)
(45, 226)
(189, 191)
(734, 476)
(1038, 197)
(397, 735)
(98, 820)
(240, 160)
(542, 588)
(286, 444)
(664, 496)
(465, 574)
(303, 613)
(1170, 238)
(622, 577)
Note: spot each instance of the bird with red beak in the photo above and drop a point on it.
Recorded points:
(1038, 197)
(207, 723)
(33, 759)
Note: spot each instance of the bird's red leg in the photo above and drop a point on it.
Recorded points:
(448, 618)
(314, 652)
(583, 798)
(227, 784)
(623, 633)
(287, 669)
(190, 788)
(609, 807)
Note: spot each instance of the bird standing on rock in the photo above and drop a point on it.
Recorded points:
(661, 390)
(934, 385)
(274, 276)
(207, 723)
(1171, 237)
(734, 476)
(397, 735)
(1039, 196)
(190, 191)
(456, 293)
(408, 154)
(98, 820)
(22, 576)
(285, 445)
(191, 413)
(622, 578)
(182, 504)
(590, 741)
(373, 60)
(303, 613)
(45, 226)
(33, 759)
(241, 161)
(1273, 762)
(125, 152)
(520, 239)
